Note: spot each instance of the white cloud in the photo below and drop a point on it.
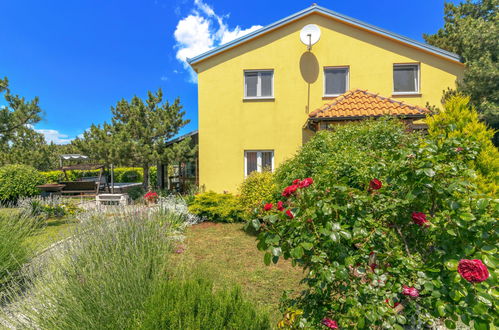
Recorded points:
(52, 135)
(201, 31)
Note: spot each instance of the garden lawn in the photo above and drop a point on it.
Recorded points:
(229, 255)
(53, 230)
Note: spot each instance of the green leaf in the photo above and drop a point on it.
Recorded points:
(336, 226)
(276, 251)
(451, 232)
(489, 249)
(451, 264)
(334, 236)
(401, 319)
(467, 216)
(297, 252)
(307, 245)
(479, 324)
(482, 204)
(255, 223)
(345, 234)
(429, 172)
(267, 258)
(440, 308)
(450, 324)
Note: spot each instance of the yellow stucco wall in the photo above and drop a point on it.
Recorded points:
(228, 125)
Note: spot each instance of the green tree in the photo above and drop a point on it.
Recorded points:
(17, 115)
(138, 133)
(98, 143)
(471, 30)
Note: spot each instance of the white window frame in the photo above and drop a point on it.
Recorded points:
(258, 85)
(347, 85)
(258, 160)
(417, 78)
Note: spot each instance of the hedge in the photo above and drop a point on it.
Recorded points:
(121, 174)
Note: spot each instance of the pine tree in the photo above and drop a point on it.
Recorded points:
(471, 30)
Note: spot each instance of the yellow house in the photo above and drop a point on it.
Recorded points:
(262, 96)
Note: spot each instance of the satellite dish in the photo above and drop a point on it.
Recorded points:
(310, 35)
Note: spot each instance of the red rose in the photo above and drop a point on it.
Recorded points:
(289, 214)
(306, 182)
(296, 181)
(330, 323)
(410, 291)
(375, 184)
(288, 191)
(473, 271)
(419, 218)
(280, 206)
(268, 207)
(373, 267)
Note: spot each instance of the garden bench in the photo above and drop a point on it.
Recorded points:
(106, 199)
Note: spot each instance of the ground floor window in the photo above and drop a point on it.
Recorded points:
(258, 160)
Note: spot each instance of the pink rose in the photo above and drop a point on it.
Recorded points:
(473, 271)
(330, 323)
(410, 291)
(290, 190)
(419, 218)
(268, 206)
(306, 182)
(289, 214)
(375, 184)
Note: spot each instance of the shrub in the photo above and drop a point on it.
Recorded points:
(217, 207)
(384, 252)
(193, 304)
(102, 277)
(344, 154)
(460, 120)
(51, 207)
(121, 174)
(18, 181)
(256, 188)
(14, 229)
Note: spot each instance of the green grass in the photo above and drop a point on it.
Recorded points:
(229, 255)
(52, 231)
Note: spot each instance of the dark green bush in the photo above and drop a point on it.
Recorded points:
(192, 304)
(344, 154)
(217, 207)
(18, 181)
(385, 244)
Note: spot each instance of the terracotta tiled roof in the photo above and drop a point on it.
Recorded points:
(360, 103)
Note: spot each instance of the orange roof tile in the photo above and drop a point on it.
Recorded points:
(361, 103)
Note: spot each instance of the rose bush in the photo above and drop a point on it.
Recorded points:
(382, 252)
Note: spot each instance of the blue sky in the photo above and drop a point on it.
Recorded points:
(81, 56)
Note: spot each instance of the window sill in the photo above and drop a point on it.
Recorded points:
(331, 97)
(256, 99)
(406, 94)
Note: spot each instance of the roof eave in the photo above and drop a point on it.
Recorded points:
(345, 19)
(317, 119)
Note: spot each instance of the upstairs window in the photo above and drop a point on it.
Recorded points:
(258, 84)
(405, 78)
(335, 81)
(258, 161)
